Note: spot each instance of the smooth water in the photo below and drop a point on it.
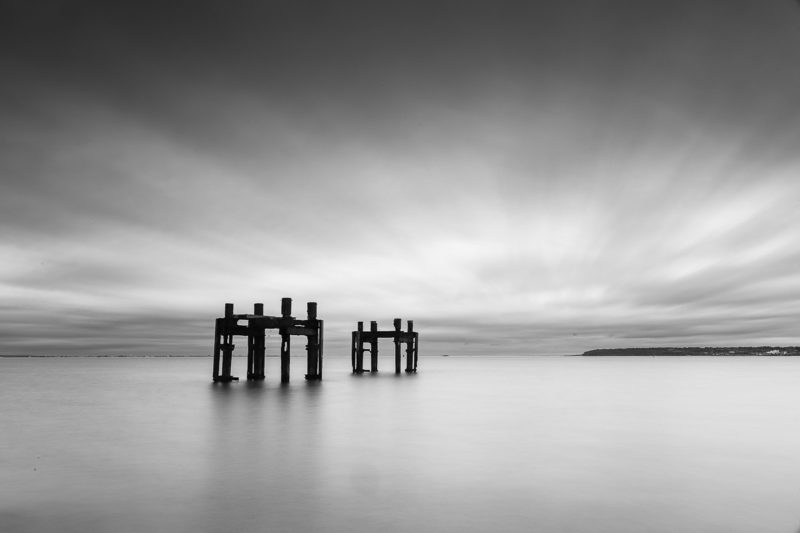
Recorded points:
(570, 444)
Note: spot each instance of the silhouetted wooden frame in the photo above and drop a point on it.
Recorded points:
(360, 337)
(226, 327)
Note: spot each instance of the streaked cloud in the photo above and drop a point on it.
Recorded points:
(538, 179)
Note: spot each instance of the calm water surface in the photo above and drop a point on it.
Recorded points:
(564, 444)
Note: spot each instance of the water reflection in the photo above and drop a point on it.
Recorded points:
(565, 444)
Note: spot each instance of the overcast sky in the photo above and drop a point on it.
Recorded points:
(517, 177)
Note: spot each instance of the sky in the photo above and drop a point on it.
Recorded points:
(516, 177)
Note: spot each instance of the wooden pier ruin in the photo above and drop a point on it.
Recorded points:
(362, 337)
(255, 331)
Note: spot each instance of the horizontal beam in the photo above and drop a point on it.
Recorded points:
(402, 336)
(267, 322)
(273, 322)
(259, 324)
(302, 331)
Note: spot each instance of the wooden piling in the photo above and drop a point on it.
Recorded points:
(416, 349)
(312, 346)
(373, 346)
(410, 347)
(353, 350)
(251, 333)
(321, 343)
(360, 348)
(217, 333)
(286, 314)
(259, 344)
(227, 343)
(397, 325)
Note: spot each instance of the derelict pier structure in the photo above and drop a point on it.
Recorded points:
(254, 329)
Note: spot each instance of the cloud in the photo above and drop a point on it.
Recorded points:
(610, 178)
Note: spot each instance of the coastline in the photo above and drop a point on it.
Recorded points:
(689, 351)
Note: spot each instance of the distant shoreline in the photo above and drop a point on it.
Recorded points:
(727, 351)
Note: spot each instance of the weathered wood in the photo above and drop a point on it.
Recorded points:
(308, 332)
(217, 327)
(267, 322)
(285, 360)
(228, 322)
(410, 348)
(373, 347)
(360, 348)
(259, 344)
(312, 350)
(397, 325)
(403, 336)
(286, 313)
(227, 327)
(250, 349)
(353, 350)
(359, 337)
(319, 347)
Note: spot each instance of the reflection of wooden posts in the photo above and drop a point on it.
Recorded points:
(359, 337)
(255, 331)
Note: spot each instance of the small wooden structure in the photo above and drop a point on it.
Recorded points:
(360, 337)
(255, 331)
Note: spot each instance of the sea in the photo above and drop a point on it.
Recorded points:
(491, 443)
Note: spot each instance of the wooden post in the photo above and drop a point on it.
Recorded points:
(227, 344)
(286, 313)
(250, 348)
(319, 347)
(360, 348)
(258, 343)
(353, 351)
(312, 352)
(373, 347)
(416, 349)
(397, 324)
(410, 347)
(217, 333)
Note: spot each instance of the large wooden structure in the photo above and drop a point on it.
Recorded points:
(255, 331)
(360, 338)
